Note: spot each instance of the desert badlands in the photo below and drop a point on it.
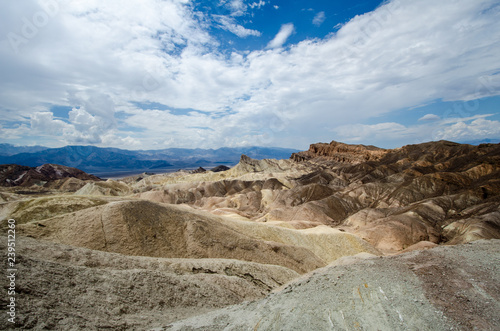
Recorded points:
(338, 237)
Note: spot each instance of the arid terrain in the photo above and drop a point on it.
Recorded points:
(343, 237)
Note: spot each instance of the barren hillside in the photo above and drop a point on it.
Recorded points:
(149, 250)
(446, 288)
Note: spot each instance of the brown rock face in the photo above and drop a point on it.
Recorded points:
(16, 175)
(340, 152)
(441, 192)
(438, 191)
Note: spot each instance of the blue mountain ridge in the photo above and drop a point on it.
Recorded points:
(8, 149)
(98, 160)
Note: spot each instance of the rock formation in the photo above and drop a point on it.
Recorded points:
(438, 192)
(143, 228)
(340, 152)
(202, 240)
(15, 175)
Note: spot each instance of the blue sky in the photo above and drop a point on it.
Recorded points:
(152, 74)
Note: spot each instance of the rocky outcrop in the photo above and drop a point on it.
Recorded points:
(220, 168)
(199, 170)
(395, 200)
(15, 175)
(104, 188)
(249, 165)
(340, 152)
(147, 229)
(41, 208)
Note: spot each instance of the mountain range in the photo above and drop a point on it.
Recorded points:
(108, 161)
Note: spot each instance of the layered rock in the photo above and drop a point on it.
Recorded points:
(15, 175)
(340, 152)
(394, 200)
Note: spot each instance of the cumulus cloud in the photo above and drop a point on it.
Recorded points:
(319, 18)
(80, 128)
(281, 37)
(102, 57)
(391, 134)
(478, 129)
(45, 122)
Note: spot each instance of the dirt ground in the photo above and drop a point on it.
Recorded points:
(60, 287)
(444, 288)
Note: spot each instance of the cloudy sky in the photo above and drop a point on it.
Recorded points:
(152, 74)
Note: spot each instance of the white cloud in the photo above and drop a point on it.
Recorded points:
(319, 18)
(281, 37)
(429, 117)
(229, 24)
(45, 122)
(257, 4)
(376, 134)
(98, 57)
(237, 7)
(390, 134)
(15, 133)
(475, 130)
(81, 127)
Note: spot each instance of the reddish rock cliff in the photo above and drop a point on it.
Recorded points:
(340, 152)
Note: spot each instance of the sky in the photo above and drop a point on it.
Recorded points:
(154, 74)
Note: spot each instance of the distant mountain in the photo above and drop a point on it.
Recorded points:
(227, 155)
(86, 158)
(8, 149)
(99, 160)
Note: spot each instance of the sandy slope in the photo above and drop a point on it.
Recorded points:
(144, 228)
(445, 288)
(62, 287)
